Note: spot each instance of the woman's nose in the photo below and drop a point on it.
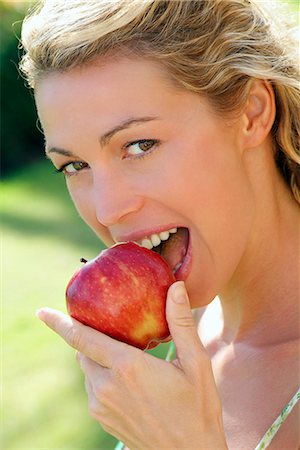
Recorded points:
(114, 200)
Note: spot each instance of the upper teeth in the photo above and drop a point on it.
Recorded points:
(155, 239)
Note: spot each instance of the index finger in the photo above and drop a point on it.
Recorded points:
(97, 346)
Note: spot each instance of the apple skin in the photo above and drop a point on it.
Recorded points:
(122, 293)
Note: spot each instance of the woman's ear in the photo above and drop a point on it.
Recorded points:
(258, 114)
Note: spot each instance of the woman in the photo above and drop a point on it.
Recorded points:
(183, 114)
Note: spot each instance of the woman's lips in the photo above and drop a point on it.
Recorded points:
(182, 272)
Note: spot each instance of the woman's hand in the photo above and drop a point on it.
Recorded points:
(144, 401)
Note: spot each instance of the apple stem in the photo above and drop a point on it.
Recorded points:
(83, 260)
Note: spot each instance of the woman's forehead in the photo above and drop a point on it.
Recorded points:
(129, 86)
(102, 70)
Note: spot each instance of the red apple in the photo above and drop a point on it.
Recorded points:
(122, 293)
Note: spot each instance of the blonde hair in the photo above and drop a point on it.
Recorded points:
(211, 47)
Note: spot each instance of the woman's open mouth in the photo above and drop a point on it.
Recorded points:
(174, 246)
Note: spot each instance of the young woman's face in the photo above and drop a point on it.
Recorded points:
(141, 157)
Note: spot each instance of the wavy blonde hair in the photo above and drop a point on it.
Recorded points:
(212, 47)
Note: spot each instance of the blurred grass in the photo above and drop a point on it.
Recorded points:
(44, 404)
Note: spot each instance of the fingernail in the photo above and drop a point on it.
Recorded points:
(40, 313)
(180, 294)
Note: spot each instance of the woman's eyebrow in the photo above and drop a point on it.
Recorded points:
(106, 137)
(61, 151)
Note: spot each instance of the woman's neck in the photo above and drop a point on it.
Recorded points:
(261, 302)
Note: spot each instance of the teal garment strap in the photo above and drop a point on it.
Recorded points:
(119, 446)
(171, 353)
(270, 434)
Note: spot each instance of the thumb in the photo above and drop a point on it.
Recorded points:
(182, 326)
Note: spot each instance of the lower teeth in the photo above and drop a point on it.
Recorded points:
(177, 267)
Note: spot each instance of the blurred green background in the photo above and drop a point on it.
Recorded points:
(43, 401)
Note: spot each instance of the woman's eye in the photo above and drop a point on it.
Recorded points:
(73, 167)
(140, 147)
